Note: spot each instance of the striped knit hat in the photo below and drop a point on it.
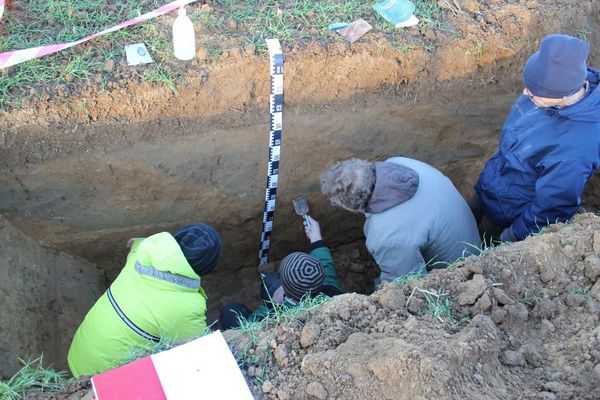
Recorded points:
(201, 246)
(301, 274)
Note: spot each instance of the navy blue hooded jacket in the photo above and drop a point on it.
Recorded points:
(545, 158)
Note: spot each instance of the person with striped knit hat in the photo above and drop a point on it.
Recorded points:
(299, 275)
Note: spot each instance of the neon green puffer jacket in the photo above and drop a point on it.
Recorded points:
(157, 290)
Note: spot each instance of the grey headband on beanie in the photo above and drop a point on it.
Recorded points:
(201, 246)
(301, 274)
(558, 69)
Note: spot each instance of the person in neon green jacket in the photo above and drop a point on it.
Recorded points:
(158, 295)
(300, 274)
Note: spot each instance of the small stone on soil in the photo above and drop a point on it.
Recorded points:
(478, 378)
(511, 357)
(317, 390)
(310, 334)
(267, 387)
(109, 65)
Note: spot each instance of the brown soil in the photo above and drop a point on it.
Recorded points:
(84, 171)
(44, 295)
(526, 325)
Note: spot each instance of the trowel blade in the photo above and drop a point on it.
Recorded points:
(300, 206)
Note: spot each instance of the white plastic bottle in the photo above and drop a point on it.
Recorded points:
(184, 37)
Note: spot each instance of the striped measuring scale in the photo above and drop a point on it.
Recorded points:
(275, 129)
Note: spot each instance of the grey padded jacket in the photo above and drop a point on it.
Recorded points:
(416, 217)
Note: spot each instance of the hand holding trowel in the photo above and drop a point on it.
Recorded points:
(301, 208)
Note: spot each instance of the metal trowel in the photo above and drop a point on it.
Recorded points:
(301, 208)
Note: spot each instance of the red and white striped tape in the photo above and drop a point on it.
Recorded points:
(10, 58)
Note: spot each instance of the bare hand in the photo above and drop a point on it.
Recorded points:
(313, 231)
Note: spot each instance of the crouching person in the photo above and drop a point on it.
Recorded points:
(300, 274)
(158, 294)
(415, 217)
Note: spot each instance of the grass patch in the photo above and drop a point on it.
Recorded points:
(580, 290)
(438, 305)
(415, 274)
(43, 22)
(32, 377)
(477, 50)
(137, 352)
(431, 14)
(225, 24)
(529, 298)
(162, 75)
(255, 20)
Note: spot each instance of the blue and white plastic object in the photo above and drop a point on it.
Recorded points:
(337, 26)
(398, 12)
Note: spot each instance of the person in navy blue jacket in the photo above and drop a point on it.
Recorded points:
(549, 146)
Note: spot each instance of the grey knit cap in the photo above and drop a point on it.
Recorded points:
(301, 274)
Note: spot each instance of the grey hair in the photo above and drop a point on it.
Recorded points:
(349, 184)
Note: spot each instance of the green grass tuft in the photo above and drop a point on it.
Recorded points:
(33, 377)
(415, 274)
(162, 75)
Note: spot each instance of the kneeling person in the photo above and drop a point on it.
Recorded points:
(157, 295)
(415, 217)
(300, 274)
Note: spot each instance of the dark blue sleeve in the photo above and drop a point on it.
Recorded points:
(557, 196)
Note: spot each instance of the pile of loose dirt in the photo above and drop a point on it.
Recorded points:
(518, 322)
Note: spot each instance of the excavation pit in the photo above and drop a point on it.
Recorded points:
(139, 160)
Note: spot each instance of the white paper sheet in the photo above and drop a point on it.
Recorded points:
(201, 369)
(137, 54)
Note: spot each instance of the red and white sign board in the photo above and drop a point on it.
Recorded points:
(201, 369)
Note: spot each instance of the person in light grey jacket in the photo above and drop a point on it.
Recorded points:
(415, 217)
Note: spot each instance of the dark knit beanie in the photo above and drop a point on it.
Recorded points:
(558, 69)
(201, 246)
(300, 274)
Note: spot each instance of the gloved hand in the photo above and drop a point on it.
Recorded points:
(313, 231)
(507, 235)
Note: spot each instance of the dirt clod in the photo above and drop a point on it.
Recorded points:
(317, 390)
(502, 298)
(471, 290)
(393, 297)
(310, 334)
(595, 291)
(267, 387)
(511, 357)
(483, 304)
(592, 267)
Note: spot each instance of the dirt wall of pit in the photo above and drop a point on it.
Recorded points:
(84, 174)
(44, 295)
